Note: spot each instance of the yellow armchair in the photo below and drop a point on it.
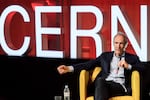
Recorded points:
(89, 76)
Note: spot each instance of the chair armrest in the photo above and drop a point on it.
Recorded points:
(83, 82)
(135, 84)
(96, 71)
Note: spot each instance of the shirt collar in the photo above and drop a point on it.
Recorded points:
(123, 55)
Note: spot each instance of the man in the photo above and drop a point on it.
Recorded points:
(117, 66)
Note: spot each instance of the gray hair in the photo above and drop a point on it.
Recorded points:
(122, 34)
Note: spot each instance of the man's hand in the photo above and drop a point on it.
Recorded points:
(123, 63)
(62, 69)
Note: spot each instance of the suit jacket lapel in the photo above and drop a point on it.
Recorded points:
(109, 61)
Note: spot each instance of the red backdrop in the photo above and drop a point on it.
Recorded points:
(16, 29)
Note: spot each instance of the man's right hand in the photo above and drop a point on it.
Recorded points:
(62, 69)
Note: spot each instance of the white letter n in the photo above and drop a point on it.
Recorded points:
(116, 15)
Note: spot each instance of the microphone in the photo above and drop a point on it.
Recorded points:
(118, 66)
(117, 70)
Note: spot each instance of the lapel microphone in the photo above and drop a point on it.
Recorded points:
(120, 58)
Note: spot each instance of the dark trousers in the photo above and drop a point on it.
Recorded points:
(106, 89)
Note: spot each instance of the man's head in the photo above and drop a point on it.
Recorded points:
(120, 43)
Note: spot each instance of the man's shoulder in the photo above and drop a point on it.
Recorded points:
(107, 53)
(130, 54)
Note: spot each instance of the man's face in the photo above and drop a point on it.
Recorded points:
(119, 45)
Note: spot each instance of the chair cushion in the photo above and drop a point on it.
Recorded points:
(122, 98)
(90, 98)
(114, 98)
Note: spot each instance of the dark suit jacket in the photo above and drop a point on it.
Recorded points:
(104, 62)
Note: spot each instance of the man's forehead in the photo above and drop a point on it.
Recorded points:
(119, 37)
